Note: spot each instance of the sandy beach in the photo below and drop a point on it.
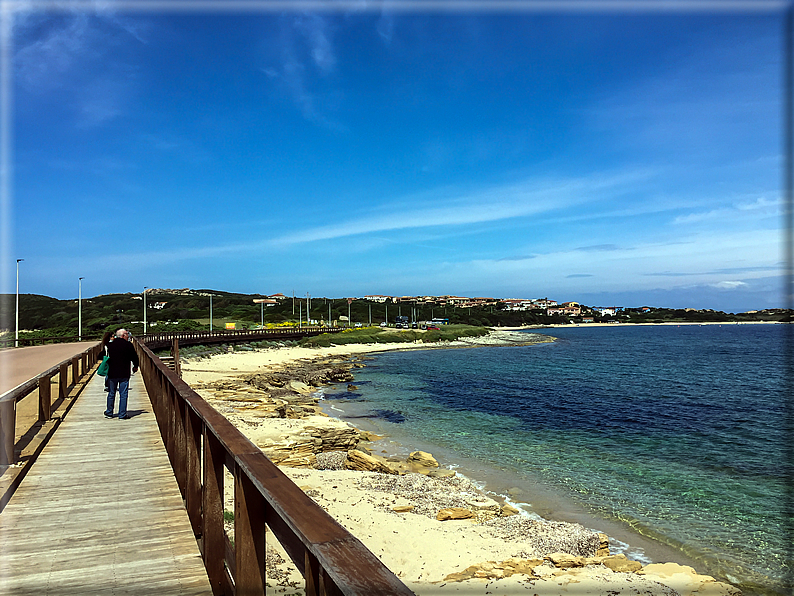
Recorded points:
(433, 528)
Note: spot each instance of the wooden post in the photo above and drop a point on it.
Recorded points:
(175, 354)
(45, 398)
(213, 536)
(8, 423)
(179, 462)
(193, 490)
(63, 381)
(249, 536)
(327, 587)
(75, 370)
(311, 574)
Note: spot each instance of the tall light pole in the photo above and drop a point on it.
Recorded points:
(144, 309)
(262, 305)
(329, 314)
(308, 309)
(300, 314)
(210, 313)
(16, 332)
(80, 309)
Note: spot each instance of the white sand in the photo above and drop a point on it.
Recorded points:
(419, 549)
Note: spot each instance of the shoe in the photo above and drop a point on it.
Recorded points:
(124, 417)
(108, 415)
(106, 390)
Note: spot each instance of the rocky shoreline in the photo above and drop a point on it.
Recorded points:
(435, 529)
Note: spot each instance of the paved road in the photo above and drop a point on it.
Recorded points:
(17, 365)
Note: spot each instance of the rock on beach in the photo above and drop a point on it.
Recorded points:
(407, 519)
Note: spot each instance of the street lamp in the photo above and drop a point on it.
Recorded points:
(16, 332)
(80, 309)
(210, 313)
(144, 309)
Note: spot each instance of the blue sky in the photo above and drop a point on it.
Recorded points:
(602, 157)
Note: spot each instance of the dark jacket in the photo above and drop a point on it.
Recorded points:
(121, 355)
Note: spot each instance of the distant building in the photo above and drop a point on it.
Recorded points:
(266, 301)
(542, 303)
(377, 298)
(518, 304)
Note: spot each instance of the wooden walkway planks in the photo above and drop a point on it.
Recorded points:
(100, 511)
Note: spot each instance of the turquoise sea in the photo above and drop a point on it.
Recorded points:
(671, 439)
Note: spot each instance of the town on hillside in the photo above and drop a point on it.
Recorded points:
(159, 310)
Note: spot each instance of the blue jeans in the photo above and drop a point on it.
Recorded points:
(123, 386)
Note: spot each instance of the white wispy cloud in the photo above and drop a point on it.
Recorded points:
(307, 61)
(316, 30)
(729, 285)
(739, 210)
(695, 260)
(43, 62)
(459, 208)
(68, 54)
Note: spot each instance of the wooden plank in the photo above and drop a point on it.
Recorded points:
(100, 511)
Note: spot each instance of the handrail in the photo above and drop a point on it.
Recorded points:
(161, 340)
(80, 363)
(200, 442)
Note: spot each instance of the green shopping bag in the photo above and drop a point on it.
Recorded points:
(102, 371)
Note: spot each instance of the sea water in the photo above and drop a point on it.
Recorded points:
(674, 432)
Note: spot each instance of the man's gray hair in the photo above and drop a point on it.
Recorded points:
(121, 333)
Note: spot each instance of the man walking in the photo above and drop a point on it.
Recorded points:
(121, 355)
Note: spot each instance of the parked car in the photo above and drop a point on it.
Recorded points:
(429, 327)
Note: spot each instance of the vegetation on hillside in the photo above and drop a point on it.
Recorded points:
(379, 335)
(43, 316)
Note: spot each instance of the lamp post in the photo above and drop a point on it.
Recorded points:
(80, 309)
(16, 327)
(144, 309)
(210, 313)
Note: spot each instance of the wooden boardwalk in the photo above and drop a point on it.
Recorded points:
(100, 511)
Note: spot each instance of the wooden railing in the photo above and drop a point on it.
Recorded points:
(71, 372)
(158, 341)
(200, 443)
